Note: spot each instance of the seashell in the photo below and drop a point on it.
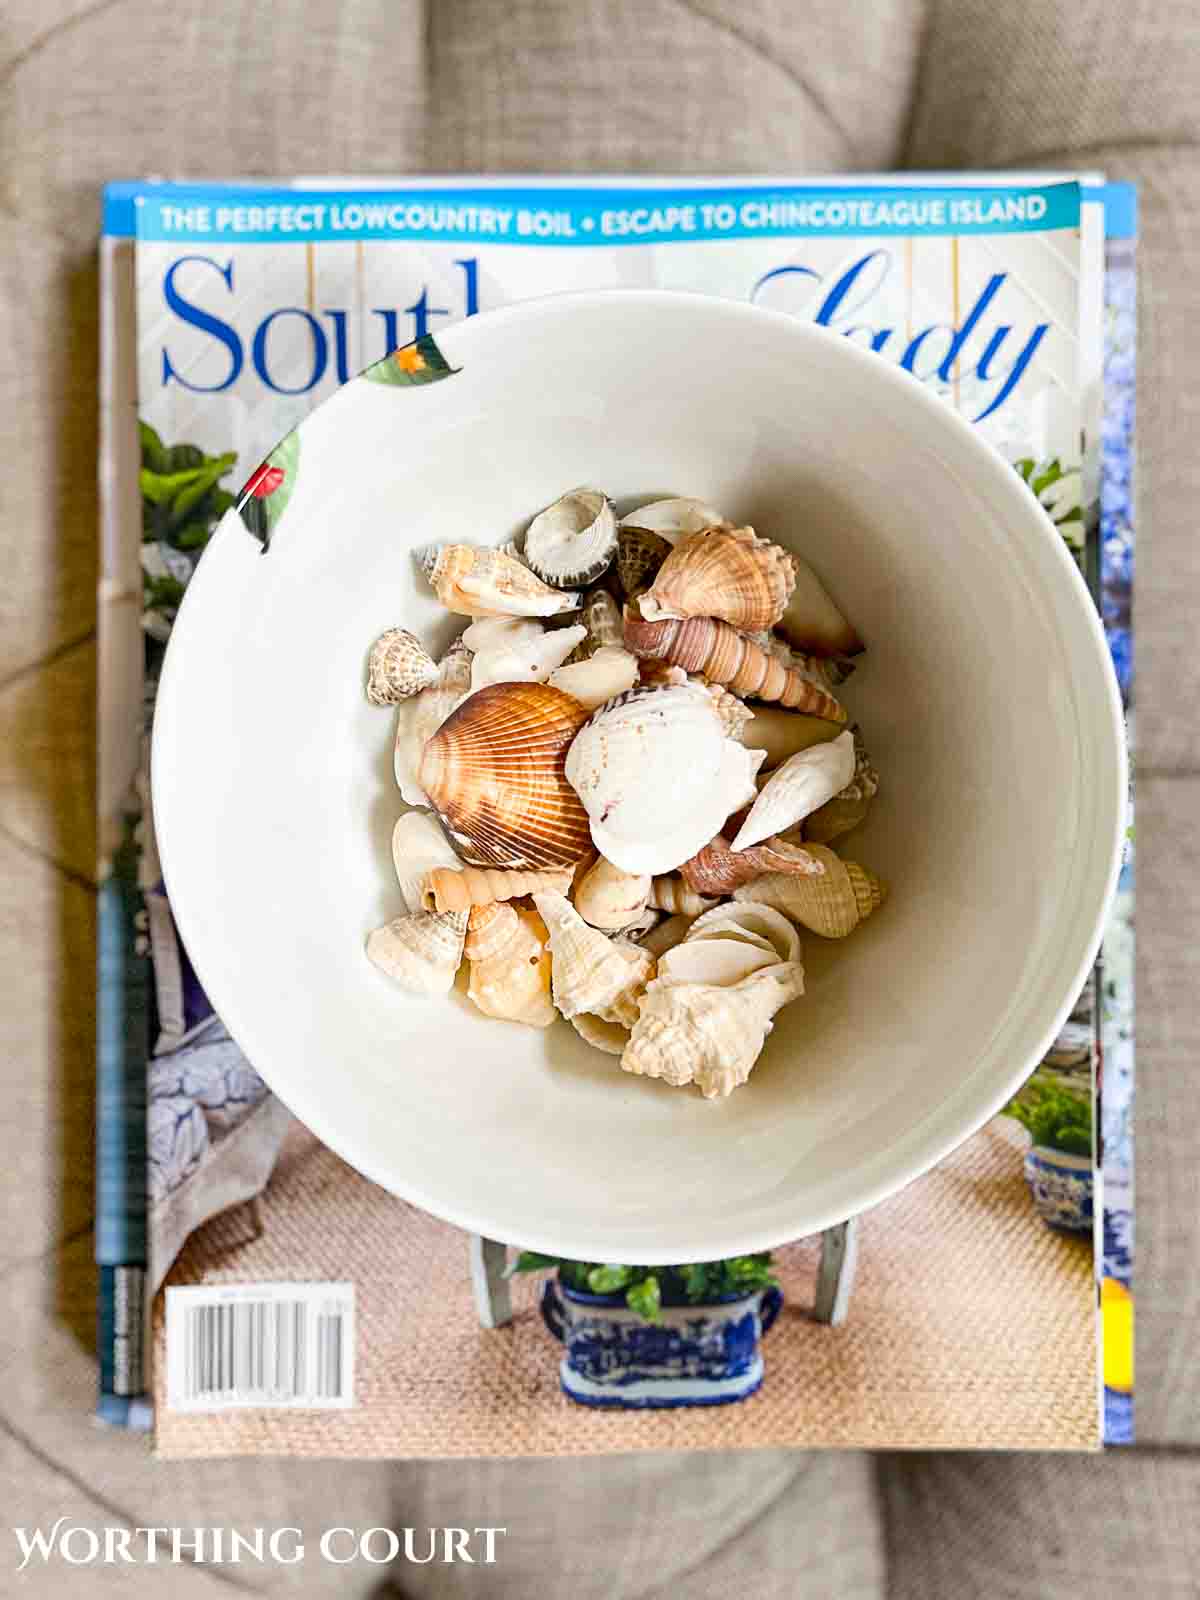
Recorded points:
(850, 805)
(508, 949)
(591, 972)
(784, 733)
(674, 517)
(494, 773)
(794, 790)
(657, 776)
(601, 616)
(674, 895)
(706, 1034)
(735, 715)
(610, 1037)
(832, 905)
(419, 845)
(640, 553)
(748, 922)
(718, 962)
(718, 869)
(666, 935)
(447, 889)
(728, 573)
(609, 898)
(501, 633)
(603, 675)
(722, 655)
(399, 666)
(419, 718)
(641, 925)
(812, 622)
(421, 951)
(479, 582)
(574, 540)
(528, 661)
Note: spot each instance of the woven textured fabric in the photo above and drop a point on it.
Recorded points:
(970, 1325)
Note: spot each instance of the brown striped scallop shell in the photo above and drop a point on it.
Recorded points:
(493, 772)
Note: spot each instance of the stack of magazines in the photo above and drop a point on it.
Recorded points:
(229, 312)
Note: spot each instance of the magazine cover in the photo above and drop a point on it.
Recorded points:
(267, 1296)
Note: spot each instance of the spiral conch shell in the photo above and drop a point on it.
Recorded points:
(672, 894)
(804, 782)
(723, 655)
(850, 805)
(419, 718)
(459, 889)
(812, 622)
(603, 675)
(508, 950)
(590, 972)
(609, 898)
(658, 776)
(418, 846)
(719, 869)
(476, 581)
(574, 540)
(708, 1034)
(494, 773)
(728, 573)
(399, 665)
(832, 905)
(420, 952)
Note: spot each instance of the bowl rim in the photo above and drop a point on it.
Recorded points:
(932, 1143)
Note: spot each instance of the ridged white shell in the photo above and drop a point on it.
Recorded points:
(510, 973)
(419, 718)
(420, 952)
(832, 905)
(591, 972)
(399, 666)
(606, 673)
(419, 845)
(658, 776)
(573, 541)
(804, 782)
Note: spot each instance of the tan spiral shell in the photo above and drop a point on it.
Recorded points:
(399, 665)
(669, 893)
(718, 652)
(508, 950)
(728, 573)
(493, 772)
(420, 952)
(476, 581)
(832, 905)
(451, 889)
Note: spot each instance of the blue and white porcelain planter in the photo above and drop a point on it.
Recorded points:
(706, 1355)
(1062, 1187)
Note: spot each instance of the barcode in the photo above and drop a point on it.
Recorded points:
(260, 1345)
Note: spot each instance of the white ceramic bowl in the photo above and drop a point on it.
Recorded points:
(986, 698)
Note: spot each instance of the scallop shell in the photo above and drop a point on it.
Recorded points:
(674, 895)
(399, 666)
(666, 936)
(479, 582)
(850, 805)
(610, 1037)
(674, 517)
(420, 952)
(657, 776)
(609, 672)
(706, 1034)
(494, 773)
(445, 889)
(574, 540)
(832, 905)
(804, 782)
(640, 554)
(812, 622)
(718, 869)
(784, 733)
(591, 972)
(526, 661)
(419, 718)
(418, 845)
(609, 898)
(510, 966)
(724, 572)
(723, 655)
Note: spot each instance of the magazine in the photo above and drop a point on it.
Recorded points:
(229, 312)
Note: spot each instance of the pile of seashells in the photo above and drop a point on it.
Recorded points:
(630, 769)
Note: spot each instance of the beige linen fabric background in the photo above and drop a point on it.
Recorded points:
(96, 89)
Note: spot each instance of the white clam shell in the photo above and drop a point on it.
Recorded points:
(674, 517)
(610, 671)
(419, 718)
(418, 846)
(658, 777)
(528, 660)
(804, 782)
(573, 541)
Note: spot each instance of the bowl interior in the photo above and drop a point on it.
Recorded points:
(984, 696)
